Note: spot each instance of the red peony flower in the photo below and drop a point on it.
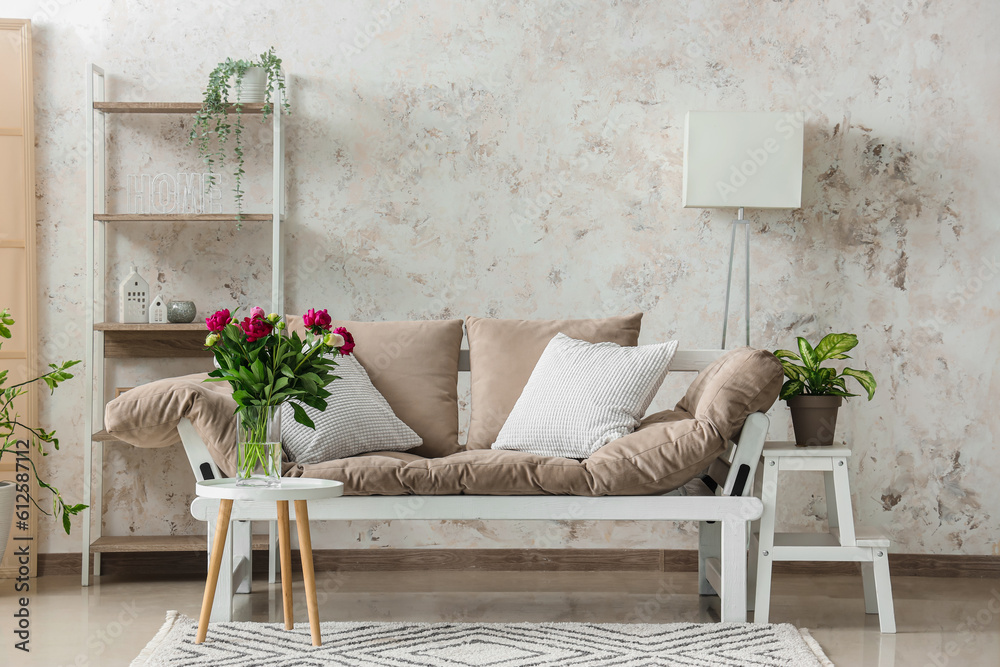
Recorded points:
(218, 320)
(348, 345)
(317, 322)
(256, 328)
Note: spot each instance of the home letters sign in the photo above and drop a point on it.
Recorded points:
(172, 193)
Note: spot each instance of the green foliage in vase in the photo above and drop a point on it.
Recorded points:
(212, 120)
(814, 379)
(267, 367)
(12, 429)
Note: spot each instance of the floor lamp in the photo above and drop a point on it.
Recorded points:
(742, 159)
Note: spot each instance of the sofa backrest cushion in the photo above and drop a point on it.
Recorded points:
(414, 365)
(502, 354)
(739, 382)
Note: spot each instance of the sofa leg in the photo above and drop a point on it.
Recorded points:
(272, 551)
(734, 571)
(222, 605)
(709, 546)
(242, 532)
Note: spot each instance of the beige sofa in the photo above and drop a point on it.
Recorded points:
(415, 365)
(649, 475)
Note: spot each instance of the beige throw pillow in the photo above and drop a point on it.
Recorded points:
(502, 354)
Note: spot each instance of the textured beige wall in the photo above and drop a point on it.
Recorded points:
(524, 160)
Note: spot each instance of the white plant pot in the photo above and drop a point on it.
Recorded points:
(6, 513)
(253, 86)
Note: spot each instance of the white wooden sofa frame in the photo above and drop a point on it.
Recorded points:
(721, 501)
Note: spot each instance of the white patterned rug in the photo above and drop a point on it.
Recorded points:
(483, 645)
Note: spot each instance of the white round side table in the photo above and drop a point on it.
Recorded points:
(295, 489)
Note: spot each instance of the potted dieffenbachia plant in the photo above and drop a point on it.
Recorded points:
(20, 440)
(232, 84)
(815, 392)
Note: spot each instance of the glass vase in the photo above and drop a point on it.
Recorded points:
(258, 446)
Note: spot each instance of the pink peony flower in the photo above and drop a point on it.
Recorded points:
(256, 328)
(348, 345)
(317, 321)
(257, 313)
(218, 320)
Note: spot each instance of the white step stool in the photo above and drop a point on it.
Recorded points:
(842, 543)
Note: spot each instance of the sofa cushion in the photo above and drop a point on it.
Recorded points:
(739, 382)
(581, 396)
(414, 365)
(667, 450)
(502, 354)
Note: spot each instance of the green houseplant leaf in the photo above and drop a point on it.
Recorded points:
(807, 353)
(865, 378)
(833, 346)
(791, 388)
(13, 430)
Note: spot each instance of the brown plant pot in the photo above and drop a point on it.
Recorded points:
(814, 419)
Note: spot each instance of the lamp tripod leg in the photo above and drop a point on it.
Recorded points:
(729, 284)
(746, 229)
(729, 278)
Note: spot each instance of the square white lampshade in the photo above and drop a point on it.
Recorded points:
(744, 158)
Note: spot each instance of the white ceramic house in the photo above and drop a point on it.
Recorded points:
(158, 310)
(133, 298)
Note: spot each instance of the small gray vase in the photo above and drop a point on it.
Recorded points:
(181, 312)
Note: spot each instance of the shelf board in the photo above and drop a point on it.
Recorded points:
(158, 341)
(167, 107)
(141, 543)
(182, 217)
(197, 325)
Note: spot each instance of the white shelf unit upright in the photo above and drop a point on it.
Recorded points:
(111, 340)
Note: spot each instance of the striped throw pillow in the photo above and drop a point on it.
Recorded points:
(582, 395)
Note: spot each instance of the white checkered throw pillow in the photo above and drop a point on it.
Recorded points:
(582, 395)
(357, 419)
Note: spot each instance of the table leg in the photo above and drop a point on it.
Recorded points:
(285, 546)
(308, 574)
(221, 530)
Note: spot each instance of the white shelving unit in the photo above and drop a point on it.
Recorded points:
(111, 340)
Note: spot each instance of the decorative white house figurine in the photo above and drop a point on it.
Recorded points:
(133, 298)
(158, 310)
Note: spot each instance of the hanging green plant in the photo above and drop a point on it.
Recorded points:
(213, 119)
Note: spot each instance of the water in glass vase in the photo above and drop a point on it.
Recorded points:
(258, 446)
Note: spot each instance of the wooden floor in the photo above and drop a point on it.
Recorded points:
(942, 622)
